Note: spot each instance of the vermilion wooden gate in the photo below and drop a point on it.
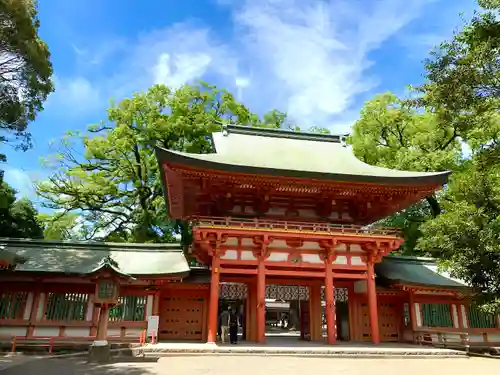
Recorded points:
(183, 314)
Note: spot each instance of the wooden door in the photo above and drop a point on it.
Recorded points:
(305, 326)
(183, 315)
(389, 319)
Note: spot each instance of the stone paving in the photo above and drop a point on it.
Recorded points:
(265, 365)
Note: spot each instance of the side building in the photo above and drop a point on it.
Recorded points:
(46, 291)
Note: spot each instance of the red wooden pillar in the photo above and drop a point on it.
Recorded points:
(315, 312)
(330, 301)
(261, 302)
(372, 304)
(213, 308)
(413, 315)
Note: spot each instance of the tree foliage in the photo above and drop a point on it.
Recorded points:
(114, 183)
(458, 103)
(18, 217)
(58, 227)
(25, 69)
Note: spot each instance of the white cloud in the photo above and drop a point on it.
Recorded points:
(315, 54)
(75, 95)
(22, 181)
(309, 58)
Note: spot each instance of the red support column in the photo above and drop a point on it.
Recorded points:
(213, 308)
(330, 302)
(372, 304)
(261, 302)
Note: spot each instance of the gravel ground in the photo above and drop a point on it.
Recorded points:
(257, 365)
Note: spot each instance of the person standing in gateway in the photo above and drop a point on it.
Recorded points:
(233, 327)
(224, 325)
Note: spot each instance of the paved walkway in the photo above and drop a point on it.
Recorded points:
(246, 365)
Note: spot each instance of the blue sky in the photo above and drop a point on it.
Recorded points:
(317, 60)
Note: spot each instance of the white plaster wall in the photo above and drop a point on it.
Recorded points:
(149, 305)
(13, 331)
(464, 316)
(77, 332)
(475, 337)
(133, 332)
(41, 305)
(340, 259)
(311, 258)
(355, 248)
(277, 257)
(29, 306)
(230, 254)
(247, 255)
(417, 314)
(454, 313)
(90, 308)
(341, 247)
(494, 337)
(310, 245)
(247, 242)
(46, 331)
(115, 332)
(357, 261)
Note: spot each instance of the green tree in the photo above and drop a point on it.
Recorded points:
(59, 227)
(18, 218)
(115, 185)
(25, 70)
(393, 135)
(462, 89)
(466, 236)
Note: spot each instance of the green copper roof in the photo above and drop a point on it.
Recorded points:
(290, 154)
(86, 257)
(415, 271)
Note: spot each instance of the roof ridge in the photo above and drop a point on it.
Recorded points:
(91, 245)
(283, 133)
(410, 258)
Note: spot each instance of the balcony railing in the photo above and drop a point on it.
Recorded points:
(293, 226)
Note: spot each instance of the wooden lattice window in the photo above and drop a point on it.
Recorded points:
(12, 305)
(436, 315)
(66, 306)
(130, 308)
(480, 319)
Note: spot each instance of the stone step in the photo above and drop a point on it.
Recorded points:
(157, 351)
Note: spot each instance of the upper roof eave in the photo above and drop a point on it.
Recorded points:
(200, 161)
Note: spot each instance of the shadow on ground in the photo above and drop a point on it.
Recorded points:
(80, 366)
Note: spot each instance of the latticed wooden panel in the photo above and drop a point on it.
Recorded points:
(182, 315)
(130, 308)
(12, 305)
(480, 319)
(341, 294)
(233, 291)
(66, 306)
(436, 315)
(287, 292)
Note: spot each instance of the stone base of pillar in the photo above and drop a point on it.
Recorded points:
(100, 352)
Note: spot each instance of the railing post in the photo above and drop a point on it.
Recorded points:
(14, 344)
(51, 343)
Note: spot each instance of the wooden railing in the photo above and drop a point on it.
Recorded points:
(445, 339)
(266, 224)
